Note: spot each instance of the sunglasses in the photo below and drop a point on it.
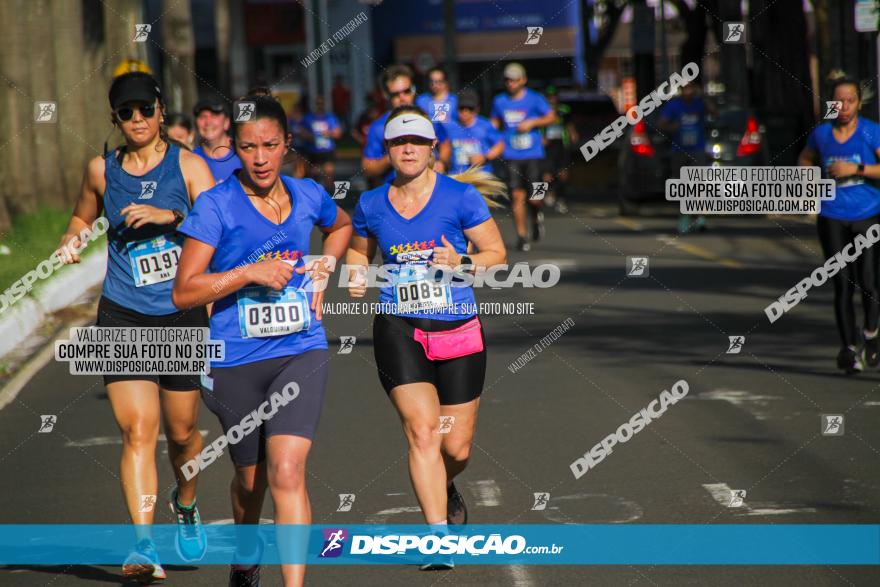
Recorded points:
(412, 140)
(409, 90)
(126, 112)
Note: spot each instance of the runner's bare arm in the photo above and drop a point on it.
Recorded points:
(486, 239)
(808, 157)
(196, 174)
(88, 207)
(360, 252)
(194, 287)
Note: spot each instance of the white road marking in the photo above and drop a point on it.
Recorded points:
(382, 516)
(561, 263)
(109, 440)
(228, 521)
(871, 404)
(597, 508)
(486, 491)
(752, 403)
(519, 575)
(721, 492)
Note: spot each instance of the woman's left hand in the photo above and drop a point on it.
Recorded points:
(136, 215)
(446, 256)
(319, 270)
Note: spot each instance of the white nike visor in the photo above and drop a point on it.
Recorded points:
(409, 125)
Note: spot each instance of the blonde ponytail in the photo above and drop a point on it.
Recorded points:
(489, 186)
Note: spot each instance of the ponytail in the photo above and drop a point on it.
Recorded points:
(490, 187)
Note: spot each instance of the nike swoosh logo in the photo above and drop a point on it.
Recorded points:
(405, 121)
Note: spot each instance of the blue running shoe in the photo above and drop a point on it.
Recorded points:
(142, 565)
(192, 541)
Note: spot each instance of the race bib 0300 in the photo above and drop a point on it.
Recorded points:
(266, 312)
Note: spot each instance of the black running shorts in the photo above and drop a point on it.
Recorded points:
(238, 391)
(401, 360)
(111, 314)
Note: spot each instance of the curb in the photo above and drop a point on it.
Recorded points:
(19, 322)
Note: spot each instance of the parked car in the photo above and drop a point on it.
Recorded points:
(734, 136)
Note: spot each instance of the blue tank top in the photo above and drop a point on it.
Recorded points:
(142, 262)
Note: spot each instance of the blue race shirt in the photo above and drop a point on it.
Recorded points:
(225, 218)
(690, 135)
(142, 262)
(857, 198)
(511, 113)
(320, 126)
(476, 139)
(442, 111)
(375, 145)
(408, 244)
(221, 168)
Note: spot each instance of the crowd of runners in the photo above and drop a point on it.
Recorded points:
(185, 220)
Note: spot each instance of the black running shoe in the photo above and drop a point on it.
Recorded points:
(456, 509)
(244, 577)
(522, 244)
(850, 361)
(872, 351)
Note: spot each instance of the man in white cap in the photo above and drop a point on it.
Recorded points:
(519, 113)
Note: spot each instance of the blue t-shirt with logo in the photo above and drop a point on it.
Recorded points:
(142, 262)
(247, 320)
(223, 167)
(476, 139)
(442, 111)
(408, 244)
(520, 145)
(857, 198)
(691, 116)
(320, 125)
(375, 145)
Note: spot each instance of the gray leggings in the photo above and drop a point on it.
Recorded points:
(241, 390)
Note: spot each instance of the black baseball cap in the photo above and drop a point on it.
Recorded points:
(135, 86)
(212, 103)
(468, 99)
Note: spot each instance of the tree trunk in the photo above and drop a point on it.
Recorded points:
(179, 49)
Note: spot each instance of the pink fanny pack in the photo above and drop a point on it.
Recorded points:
(465, 340)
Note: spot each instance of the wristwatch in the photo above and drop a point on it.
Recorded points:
(465, 260)
(861, 169)
(178, 216)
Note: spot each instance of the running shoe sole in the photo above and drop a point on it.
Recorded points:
(144, 574)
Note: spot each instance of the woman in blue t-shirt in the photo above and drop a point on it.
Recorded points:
(847, 149)
(429, 346)
(145, 188)
(247, 251)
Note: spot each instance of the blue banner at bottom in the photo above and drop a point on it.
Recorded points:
(642, 544)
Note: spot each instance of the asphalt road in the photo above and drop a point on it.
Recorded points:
(751, 420)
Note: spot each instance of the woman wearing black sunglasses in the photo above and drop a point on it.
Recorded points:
(145, 188)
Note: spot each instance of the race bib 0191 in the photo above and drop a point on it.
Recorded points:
(266, 312)
(155, 260)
